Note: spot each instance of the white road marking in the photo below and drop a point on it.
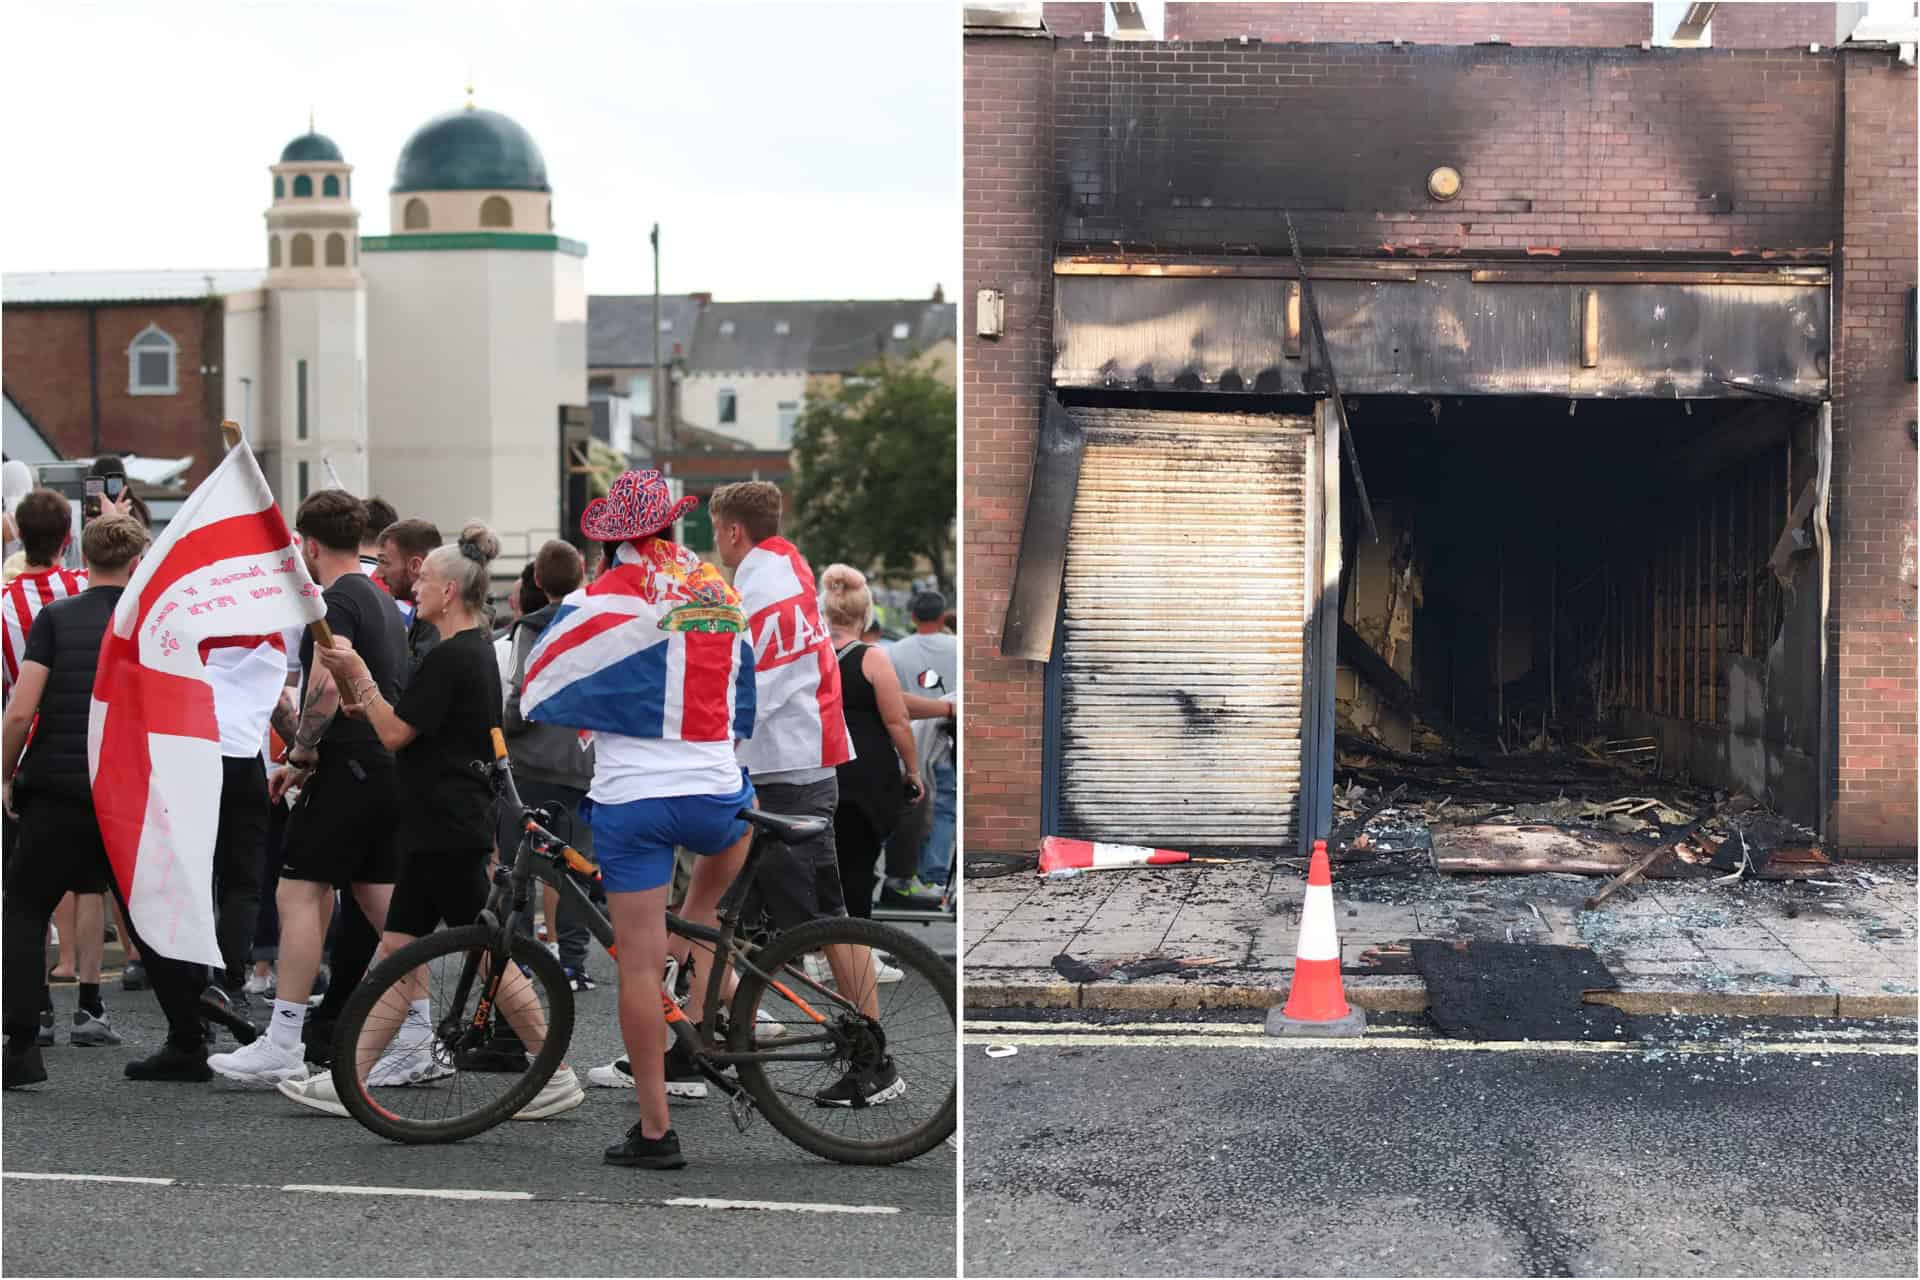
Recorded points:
(1089, 1038)
(88, 1177)
(709, 1202)
(443, 1193)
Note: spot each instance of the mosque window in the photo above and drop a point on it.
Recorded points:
(729, 406)
(549, 215)
(302, 250)
(152, 358)
(279, 188)
(496, 212)
(415, 216)
(304, 482)
(336, 250)
(302, 186)
(330, 186)
(273, 251)
(300, 407)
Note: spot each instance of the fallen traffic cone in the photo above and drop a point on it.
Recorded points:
(1317, 1004)
(1057, 854)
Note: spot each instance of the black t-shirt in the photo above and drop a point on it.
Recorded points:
(453, 704)
(65, 638)
(359, 611)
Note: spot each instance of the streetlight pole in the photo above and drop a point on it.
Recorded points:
(659, 373)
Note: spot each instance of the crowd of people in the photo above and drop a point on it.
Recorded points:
(351, 819)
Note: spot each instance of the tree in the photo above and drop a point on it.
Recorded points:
(875, 469)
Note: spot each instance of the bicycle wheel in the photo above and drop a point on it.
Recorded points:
(442, 1080)
(877, 1090)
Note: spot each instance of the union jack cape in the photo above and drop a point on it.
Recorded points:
(802, 723)
(655, 647)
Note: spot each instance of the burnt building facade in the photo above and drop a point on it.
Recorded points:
(1624, 338)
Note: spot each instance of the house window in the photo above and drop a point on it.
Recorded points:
(900, 331)
(496, 212)
(302, 186)
(300, 408)
(729, 406)
(302, 469)
(302, 250)
(415, 217)
(336, 250)
(273, 251)
(666, 325)
(152, 358)
(726, 328)
(789, 414)
(330, 186)
(279, 188)
(782, 328)
(640, 394)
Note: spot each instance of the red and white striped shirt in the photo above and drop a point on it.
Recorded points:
(21, 603)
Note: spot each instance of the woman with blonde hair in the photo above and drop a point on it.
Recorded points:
(883, 778)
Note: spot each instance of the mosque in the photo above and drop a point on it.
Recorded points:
(430, 366)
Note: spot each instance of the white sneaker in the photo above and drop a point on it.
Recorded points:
(817, 968)
(618, 1074)
(562, 1093)
(260, 984)
(413, 1064)
(768, 1027)
(315, 1091)
(884, 972)
(262, 1062)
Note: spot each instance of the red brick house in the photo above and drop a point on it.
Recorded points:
(1624, 332)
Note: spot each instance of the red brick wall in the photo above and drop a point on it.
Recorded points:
(1074, 20)
(46, 373)
(1199, 146)
(1520, 22)
(1008, 202)
(1735, 26)
(1872, 606)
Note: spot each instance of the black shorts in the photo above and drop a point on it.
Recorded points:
(798, 882)
(438, 886)
(61, 835)
(342, 831)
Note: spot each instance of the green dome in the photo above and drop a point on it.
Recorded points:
(470, 150)
(311, 147)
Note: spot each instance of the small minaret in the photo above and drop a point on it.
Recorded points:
(314, 363)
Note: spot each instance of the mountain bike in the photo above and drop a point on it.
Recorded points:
(501, 1012)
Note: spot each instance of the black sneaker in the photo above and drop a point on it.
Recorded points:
(683, 1077)
(872, 1089)
(316, 1038)
(23, 1066)
(133, 977)
(503, 1052)
(174, 1064)
(44, 1035)
(636, 1152)
(580, 980)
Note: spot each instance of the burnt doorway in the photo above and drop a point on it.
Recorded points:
(1554, 574)
(1177, 691)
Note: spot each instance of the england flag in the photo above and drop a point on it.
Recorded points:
(226, 566)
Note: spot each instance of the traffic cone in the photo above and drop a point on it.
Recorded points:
(1058, 854)
(1317, 1004)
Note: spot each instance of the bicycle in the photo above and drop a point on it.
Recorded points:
(782, 1018)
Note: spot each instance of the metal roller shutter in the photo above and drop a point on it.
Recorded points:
(1185, 610)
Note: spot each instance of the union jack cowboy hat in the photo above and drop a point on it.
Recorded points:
(637, 503)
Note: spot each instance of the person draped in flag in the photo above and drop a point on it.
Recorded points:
(440, 728)
(341, 833)
(50, 792)
(653, 657)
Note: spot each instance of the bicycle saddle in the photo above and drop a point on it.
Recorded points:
(785, 827)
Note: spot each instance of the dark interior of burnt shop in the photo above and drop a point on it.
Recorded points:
(1580, 576)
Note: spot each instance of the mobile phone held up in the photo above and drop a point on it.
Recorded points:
(90, 505)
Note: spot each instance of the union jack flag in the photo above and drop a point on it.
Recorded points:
(655, 647)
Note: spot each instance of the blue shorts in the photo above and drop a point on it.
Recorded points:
(634, 842)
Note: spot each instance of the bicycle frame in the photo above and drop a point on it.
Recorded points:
(541, 855)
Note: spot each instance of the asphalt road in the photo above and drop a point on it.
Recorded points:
(1214, 1155)
(231, 1152)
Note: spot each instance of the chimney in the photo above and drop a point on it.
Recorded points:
(939, 294)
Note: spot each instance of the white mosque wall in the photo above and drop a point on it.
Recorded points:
(327, 328)
(474, 352)
(242, 367)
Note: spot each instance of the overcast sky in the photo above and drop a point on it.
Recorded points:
(789, 150)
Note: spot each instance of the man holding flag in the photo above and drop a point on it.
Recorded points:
(120, 683)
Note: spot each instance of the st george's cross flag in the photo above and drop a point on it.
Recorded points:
(655, 647)
(802, 722)
(226, 566)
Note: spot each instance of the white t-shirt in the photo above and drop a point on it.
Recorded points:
(246, 684)
(645, 768)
